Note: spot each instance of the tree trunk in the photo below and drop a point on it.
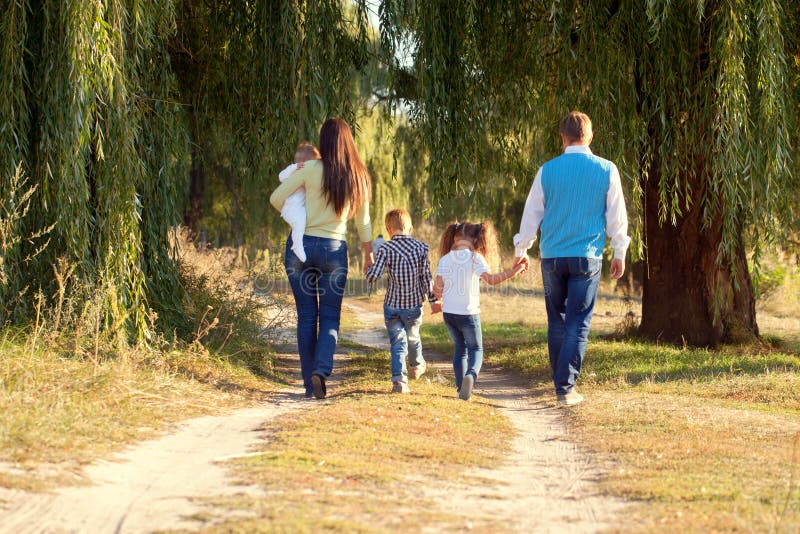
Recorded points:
(691, 294)
(197, 184)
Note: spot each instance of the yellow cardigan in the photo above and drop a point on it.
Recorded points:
(321, 218)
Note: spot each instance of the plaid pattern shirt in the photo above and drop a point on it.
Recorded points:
(409, 271)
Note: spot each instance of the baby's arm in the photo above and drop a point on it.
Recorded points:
(285, 173)
(295, 181)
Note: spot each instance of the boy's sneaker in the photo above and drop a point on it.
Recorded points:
(400, 387)
(466, 387)
(570, 399)
(418, 371)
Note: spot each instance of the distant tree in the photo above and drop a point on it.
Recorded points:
(692, 99)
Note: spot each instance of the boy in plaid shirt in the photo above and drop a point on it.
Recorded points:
(409, 284)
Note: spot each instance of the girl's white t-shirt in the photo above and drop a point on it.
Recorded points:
(461, 271)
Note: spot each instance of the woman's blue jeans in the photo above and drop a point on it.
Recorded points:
(318, 287)
(465, 331)
(570, 291)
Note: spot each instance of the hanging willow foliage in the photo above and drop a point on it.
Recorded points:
(86, 114)
(13, 149)
(690, 98)
(108, 105)
(262, 76)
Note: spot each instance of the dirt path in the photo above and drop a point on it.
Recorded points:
(151, 486)
(547, 484)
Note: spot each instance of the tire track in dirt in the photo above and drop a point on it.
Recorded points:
(155, 484)
(547, 484)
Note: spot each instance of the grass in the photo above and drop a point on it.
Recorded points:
(61, 410)
(70, 393)
(697, 440)
(702, 440)
(779, 310)
(352, 463)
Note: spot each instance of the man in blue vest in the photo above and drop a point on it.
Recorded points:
(576, 199)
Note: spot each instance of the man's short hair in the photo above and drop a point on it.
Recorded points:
(399, 220)
(576, 126)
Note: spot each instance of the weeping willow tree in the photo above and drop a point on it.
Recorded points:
(109, 114)
(115, 112)
(692, 99)
(88, 118)
(259, 77)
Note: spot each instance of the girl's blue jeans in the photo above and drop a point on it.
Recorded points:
(318, 287)
(570, 290)
(465, 331)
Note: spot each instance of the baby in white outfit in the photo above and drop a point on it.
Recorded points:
(294, 209)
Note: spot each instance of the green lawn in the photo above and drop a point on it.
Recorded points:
(701, 440)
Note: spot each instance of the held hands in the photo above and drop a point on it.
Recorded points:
(436, 307)
(617, 268)
(521, 264)
(369, 260)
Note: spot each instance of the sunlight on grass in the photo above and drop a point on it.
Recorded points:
(707, 440)
(369, 446)
(678, 427)
(63, 410)
(71, 390)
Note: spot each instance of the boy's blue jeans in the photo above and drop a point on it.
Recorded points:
(465, 331)
(570, 291)
(403, 327)
(318, 287)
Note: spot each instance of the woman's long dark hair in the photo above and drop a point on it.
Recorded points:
(345, 180)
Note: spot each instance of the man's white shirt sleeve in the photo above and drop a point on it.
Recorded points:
(616, 216)
(531, 217)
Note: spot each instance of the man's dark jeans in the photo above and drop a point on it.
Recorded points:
(570, 291)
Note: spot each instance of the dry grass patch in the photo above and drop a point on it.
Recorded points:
(71, 390)
(351, 463)
(63, 410)
(699, 466)
(706, 440)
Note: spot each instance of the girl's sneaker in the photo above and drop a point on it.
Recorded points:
(466, 387)
(400, 387)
